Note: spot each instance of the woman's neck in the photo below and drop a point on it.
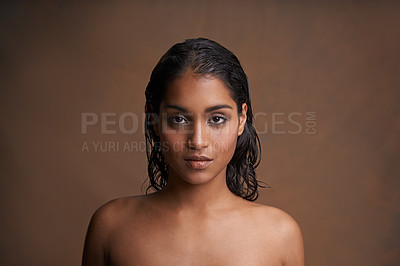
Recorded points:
(187, 198)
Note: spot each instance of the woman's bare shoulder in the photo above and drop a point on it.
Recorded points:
(272, 214)
(115, 210)
(274, 223)
(272, 217)
(105, 222)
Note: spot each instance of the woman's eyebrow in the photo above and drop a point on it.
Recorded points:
(173, 106)
(208, 110)
(217, 107)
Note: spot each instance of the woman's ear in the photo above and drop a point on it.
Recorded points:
(156, 129)
(154, 120)
(242, 119)
(155, 125)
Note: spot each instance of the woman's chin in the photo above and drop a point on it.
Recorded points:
(193, 176)
(198, 178)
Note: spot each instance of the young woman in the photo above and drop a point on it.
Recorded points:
(202, 155)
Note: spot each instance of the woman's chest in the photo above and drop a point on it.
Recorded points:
(221, 244)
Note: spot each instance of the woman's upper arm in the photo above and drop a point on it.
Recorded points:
(293, 244)
(95, 248)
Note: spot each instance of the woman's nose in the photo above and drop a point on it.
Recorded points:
(198, 137)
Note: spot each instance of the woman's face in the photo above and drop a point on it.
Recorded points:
(198, 128)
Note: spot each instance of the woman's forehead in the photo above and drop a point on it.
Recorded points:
(191, 91)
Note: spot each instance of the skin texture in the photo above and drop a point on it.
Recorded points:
(195, 219)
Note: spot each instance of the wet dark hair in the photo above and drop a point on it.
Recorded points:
(208, 58)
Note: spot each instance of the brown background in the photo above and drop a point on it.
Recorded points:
(339, 59)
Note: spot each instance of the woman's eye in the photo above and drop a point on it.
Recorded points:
(216, 120)
(177, 120)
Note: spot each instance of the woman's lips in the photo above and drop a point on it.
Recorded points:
(198, 162)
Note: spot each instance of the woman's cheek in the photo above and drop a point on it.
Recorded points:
(225, 142)
(172, 143)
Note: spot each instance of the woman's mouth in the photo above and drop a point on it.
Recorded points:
(198, 162)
